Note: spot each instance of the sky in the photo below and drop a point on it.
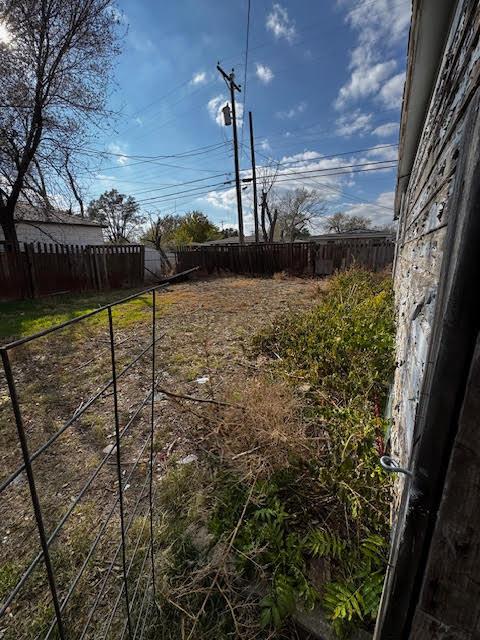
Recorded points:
(323, 79)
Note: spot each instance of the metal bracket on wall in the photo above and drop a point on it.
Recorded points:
(390, 465)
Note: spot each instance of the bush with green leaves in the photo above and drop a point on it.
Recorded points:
(342, 352)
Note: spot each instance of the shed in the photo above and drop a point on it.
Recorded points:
(432, 588)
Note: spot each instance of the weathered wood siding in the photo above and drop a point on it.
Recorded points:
(425, 214)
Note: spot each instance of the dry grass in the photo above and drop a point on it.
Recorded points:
(263, 430)
(207, 326)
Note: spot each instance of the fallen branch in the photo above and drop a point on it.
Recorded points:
(180, 396)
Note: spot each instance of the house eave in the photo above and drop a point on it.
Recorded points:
(63, 224)
(428, 34)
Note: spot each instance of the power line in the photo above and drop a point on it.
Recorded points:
(283, 178)
(178, 115)
(180, 184)
(323, 157)
(317, 170)
(333, 155)
(183, 154)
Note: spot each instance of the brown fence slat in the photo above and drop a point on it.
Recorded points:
(44, 269)
(294, 257)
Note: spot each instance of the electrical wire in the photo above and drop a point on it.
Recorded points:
(284, 177)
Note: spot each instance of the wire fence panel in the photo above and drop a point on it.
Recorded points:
(77, 517)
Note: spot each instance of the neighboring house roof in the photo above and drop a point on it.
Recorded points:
(231, 240)
(37, 215)
(349, 235)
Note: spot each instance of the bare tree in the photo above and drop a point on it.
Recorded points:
(55, 67)
(160, 232)
(119, 213)
(74, 186)
(298, 209)
(161, 229)
(341, 222)
(266, 178)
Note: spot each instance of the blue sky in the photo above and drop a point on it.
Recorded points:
(324, 78)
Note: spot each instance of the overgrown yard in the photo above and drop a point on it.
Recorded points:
(269, 499)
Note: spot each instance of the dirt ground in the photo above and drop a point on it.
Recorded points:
(204, 330)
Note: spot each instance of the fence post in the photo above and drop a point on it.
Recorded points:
(142, 263)
(30, 280)
(33, 490)
(119, 469)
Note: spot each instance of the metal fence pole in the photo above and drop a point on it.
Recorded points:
(152, 425)
(33, 491)
(119, 469)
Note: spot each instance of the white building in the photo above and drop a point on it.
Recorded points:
(55, 227)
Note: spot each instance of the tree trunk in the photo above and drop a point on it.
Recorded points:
(273, 223)
(262, 218)
(8, 224)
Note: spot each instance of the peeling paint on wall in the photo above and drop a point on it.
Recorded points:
(424, 218)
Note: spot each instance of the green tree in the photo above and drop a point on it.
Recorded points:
(119, 213)
(196, 227)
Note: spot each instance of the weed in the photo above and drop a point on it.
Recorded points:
(10, 573)
(343, 350)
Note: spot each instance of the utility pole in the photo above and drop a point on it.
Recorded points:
(254, 176)
(230, 80)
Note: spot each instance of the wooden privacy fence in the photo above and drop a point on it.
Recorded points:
(42, 269)
(309, 258)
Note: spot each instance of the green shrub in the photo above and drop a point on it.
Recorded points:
(343, 350)
(344, 345)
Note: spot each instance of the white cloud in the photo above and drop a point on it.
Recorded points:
(294, 111)
(215, 106)
(381, 152)
(280, 24)
(392, 91)
(265, 145)
(141, 43)
(379, 215)
(199, 78)
(330, 186)
(355, 122)
(138, 121)
(118, 150)
(379, 28)
(364, 81)
(386, 130)
(103, 176)
(305, 155)
(222, 199)
(386, 18)
(264, 73)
